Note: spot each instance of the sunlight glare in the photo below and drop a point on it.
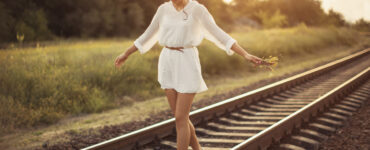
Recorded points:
(228, 1)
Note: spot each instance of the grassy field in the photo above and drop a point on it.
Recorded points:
(41, 86)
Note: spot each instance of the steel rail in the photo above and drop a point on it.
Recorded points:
(162, 129)
(274, 133)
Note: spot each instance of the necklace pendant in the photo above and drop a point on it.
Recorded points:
(186, 15)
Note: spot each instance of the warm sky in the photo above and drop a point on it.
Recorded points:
(352, 10)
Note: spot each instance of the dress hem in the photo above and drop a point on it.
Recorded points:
(180, 91)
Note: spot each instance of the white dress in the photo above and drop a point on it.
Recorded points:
(186, 28)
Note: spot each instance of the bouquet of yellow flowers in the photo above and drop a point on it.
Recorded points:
(269, 62)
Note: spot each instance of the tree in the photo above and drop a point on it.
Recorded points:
(335, 18)
(272, 20)
(24, 18)
(362, 25)
(7, 21)
(300, 11)
(33, 25)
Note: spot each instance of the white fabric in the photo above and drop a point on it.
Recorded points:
(185, 28)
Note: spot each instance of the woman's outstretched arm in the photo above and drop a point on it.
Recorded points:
(122, 58)
(215, 34)
(254, 59)
(145, 41)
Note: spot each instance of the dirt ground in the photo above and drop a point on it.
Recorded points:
(355, 135)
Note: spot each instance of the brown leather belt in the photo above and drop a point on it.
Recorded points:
(177, 48)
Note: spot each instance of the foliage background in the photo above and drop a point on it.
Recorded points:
(40, 20)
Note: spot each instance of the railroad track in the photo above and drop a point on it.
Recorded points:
(259, 119)
(320, 127)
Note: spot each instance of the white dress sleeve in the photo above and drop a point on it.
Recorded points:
(214, 33)
(150, 36)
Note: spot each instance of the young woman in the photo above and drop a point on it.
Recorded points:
(179, 26)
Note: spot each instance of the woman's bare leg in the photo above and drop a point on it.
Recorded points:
(183, 104)
(194, 143)
(172, 97)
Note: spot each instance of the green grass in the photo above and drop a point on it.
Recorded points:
(43, 85)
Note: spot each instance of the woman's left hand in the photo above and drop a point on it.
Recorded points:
(256, 60)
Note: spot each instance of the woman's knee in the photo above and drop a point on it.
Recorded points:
(181, 118)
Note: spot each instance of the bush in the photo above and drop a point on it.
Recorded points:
(274, 20)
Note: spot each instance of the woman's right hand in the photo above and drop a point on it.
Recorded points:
(120, 60)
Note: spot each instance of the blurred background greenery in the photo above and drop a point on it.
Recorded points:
(57, 55)
(40, 20)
